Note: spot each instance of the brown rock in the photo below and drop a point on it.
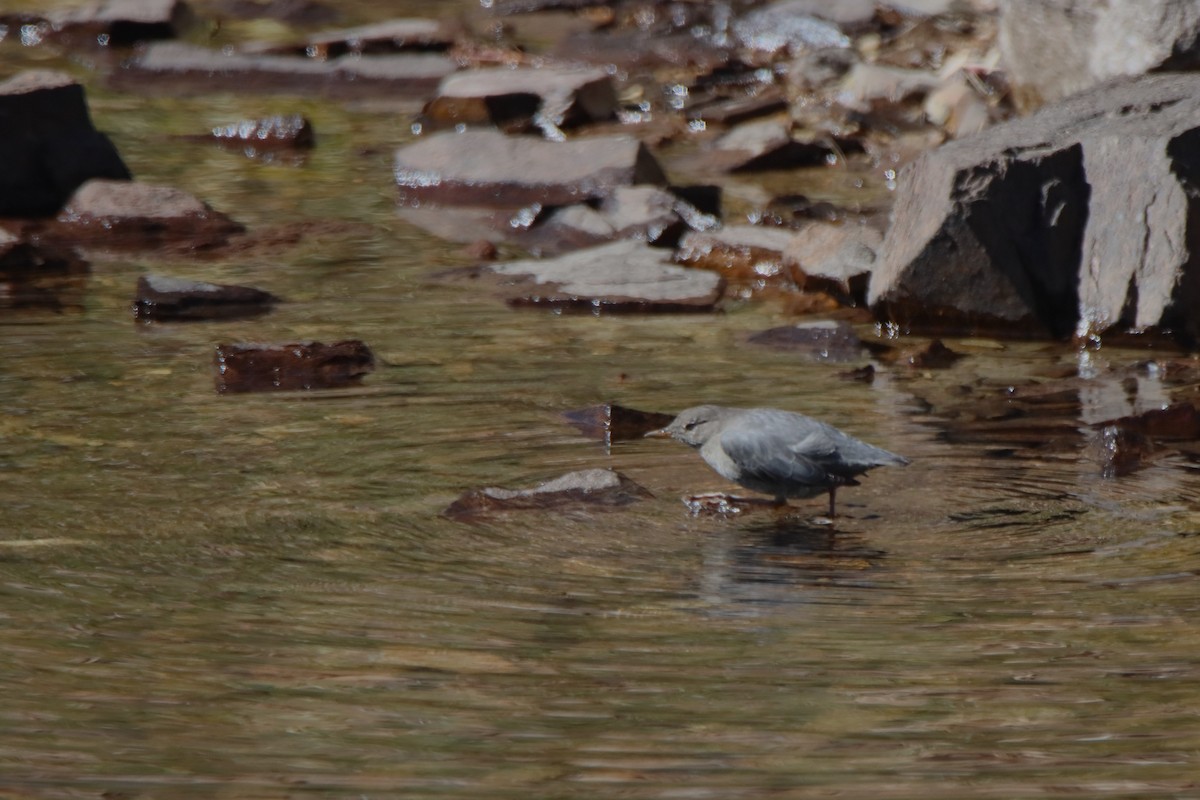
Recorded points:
(278, 132)
(488, 168)
(121, 22)
(835, 259)
(610, 422)
(592, 489)
(285, 367)
(164, 299)
(47, 144)
(750, 257)
(391, 36)
(516, 99)
(766, 145)
(134, 214)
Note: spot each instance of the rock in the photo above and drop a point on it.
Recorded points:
(1054, 48)
(763, 145)
(620, 277)
(645, 213)
(390, 36)
(866, 86)
(121, 22)
(269, 134)
(748, 256)
(610, 422)
(594, 489)
(516, 99)
(286, 367)
(48, 145)
(824, 340)
(736, 110)
(957, 108)
(488, 168)
(134, 214)
(183, 68)
(835, 259)
(39, 275)
(788, 26)
(293, 12)
(1073, 220)
(165, 299)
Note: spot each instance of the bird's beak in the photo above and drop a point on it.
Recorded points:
(661, 433)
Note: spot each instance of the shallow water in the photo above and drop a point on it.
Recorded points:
(255, 596)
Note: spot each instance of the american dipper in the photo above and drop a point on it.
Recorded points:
(777, 452)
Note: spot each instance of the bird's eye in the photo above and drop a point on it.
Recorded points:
(692, 425)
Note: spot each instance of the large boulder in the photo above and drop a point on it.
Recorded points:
(1080, 219)
(48, 146)
(1053, 48)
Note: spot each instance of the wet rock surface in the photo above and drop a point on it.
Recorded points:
(105, 23)
(620, 277)
(48, 144)
(280, 132)
(37, 275)
(749, 257)
(487, 168)
(824, 340)
(391, 36)
(164, 299)
(249, 367)
(591, 489)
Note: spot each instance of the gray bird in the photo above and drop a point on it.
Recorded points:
(776, 452)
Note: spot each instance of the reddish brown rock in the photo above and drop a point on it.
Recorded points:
(835, 259)
(488, 168)
(165, 299)
(591, 489)
(765, 145)
(750, 257)
(47, 144)
(133, 214)
(285, 367)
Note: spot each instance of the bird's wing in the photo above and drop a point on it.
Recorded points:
(762, 456)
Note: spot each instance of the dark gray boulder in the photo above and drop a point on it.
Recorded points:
(1081, 219)
(48, 146)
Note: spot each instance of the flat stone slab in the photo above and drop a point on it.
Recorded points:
(518, 98)
(290, 367)
(748, 256)
(765, 145)
(623, 276)
(48, 146)
(180, 67)
(595, 489)
(165, 299)
(104, 23)
(488, 168)
(836, 259)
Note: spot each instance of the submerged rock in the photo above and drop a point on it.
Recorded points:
(47, 144)
(39, 275)
(824, 340)
(596, 489)
(610, 422)
(269, 134)
(161, 298)
(283, 367)
(625, 276)
(488, 168)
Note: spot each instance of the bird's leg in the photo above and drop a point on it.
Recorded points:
(832, 492)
